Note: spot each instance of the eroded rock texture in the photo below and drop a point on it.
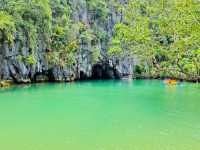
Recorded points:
(13, 67)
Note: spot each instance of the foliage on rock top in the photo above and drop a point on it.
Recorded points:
(164, 35)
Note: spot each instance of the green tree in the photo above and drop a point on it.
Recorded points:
(164, 35)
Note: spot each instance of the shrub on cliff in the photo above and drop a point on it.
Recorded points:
(7, 27)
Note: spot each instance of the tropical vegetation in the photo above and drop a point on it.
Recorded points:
(163, 34)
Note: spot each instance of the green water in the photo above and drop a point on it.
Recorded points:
(100, 115)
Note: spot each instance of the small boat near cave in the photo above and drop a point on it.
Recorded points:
(170, 82)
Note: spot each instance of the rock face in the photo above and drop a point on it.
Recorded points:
(14, 67)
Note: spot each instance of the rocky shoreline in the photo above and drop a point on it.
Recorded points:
(9, 83)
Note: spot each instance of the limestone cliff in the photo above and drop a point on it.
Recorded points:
(14, 67)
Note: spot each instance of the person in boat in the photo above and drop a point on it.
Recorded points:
(171, 81)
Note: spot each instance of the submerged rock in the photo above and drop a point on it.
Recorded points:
(6, 83)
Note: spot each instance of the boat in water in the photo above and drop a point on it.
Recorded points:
(170, 82)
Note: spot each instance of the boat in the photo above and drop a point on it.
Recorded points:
(171, 82)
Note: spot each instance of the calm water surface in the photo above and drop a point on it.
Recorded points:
(101, 115)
